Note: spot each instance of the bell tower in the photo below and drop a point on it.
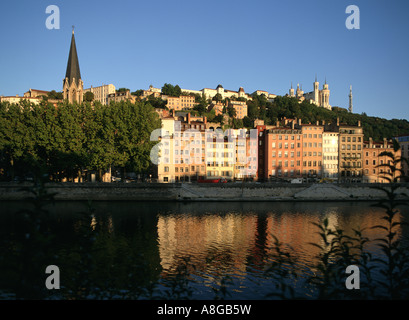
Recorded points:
(73, 86)
(316, 91)
(325, 96)
(291, 92)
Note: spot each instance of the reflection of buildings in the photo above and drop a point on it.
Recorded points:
(205, 239)
(229, 243)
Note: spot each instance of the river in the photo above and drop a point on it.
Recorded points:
(145, 250)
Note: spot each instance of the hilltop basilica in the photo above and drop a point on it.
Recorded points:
(318, 97)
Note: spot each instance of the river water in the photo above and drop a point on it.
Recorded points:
(222, 249)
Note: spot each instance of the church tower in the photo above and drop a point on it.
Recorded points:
(291, 92)
(325, 96)
(299, 93)
(73, 86)
(316, 91)
(350, 99)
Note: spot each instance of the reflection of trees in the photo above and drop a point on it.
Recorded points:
(100, 262)
(114, 260)
(133, 247)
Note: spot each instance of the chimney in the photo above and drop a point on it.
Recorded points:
(292, 125)
(318, 122)
(299, 122)
(205, 120)
(188, 117)
(385, 143)
(370, 142)
(337, 121)
(277, 123)
(359, 123)
(323, 122)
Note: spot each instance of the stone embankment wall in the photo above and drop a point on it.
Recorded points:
(203, 192)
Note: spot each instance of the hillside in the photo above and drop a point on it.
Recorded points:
(286, 107)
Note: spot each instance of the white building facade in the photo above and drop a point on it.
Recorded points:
(330, 154)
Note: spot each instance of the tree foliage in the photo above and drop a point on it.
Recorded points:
(287, 107)
(73, 138)
(55, 95)
(88, 96)
(171, 90)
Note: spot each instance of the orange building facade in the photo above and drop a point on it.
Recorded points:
(180, 103)
(374, 170)
(282, 153)
(312, 150)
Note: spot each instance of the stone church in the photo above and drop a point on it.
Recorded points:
(73, 86)
(318, 97)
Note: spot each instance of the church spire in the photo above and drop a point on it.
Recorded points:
(73, 66)
(73, 86)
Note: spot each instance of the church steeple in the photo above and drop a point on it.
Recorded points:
(72, 84)
(73, 66)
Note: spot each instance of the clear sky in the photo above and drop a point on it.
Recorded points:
(257, 45)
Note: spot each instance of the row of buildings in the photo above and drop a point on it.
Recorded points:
(192, 149)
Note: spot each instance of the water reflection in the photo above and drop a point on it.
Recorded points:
(227, 239)
(242, 236)
(239, 242)
(126, 246)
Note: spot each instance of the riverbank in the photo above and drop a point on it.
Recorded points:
(10, 191)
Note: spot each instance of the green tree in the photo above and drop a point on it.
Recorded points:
(247, 122)
(231, 112)
(88, 96)
(202, 103)
(218, 97)
(170, 90)
(55, 95)
(137, 93)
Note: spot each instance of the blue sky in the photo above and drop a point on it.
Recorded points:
(259, 45)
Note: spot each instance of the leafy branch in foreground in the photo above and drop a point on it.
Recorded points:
(281, 271)
(385, 277)
(395, 263)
